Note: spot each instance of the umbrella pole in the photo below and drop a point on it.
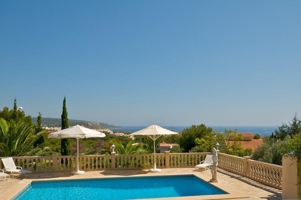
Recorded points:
(77, 154)
(155, 165)
(77, 159)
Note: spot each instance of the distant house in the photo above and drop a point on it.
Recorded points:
(162, 147)
(248, 141)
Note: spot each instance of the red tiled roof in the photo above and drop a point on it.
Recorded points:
(247, 136)
(253, 144)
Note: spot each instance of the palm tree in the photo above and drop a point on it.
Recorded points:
(17, 137)
(130, 148)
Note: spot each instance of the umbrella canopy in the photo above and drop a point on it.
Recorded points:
(76, 132)
(154, 132)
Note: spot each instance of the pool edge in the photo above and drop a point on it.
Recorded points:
(16, 189)
(232, 193)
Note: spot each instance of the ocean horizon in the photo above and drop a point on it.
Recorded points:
(262, 130)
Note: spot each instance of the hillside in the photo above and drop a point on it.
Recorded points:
(56, 122)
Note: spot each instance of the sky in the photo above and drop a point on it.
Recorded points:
(170, 62)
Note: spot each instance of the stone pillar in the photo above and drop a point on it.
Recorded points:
(167, 158)
(246, 166)
(113, 160)
(290, 184)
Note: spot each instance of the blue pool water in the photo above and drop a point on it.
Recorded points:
(119, 188)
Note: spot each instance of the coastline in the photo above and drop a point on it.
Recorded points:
(262, 130)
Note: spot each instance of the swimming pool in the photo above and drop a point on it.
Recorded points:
(119, 188)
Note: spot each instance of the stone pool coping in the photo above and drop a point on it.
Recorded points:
(236, 187)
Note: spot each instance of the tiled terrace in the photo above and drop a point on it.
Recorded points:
(239, 187)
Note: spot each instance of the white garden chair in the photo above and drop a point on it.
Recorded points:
(205, 164)
(9, 166)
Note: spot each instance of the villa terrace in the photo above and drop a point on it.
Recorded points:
(243, 178)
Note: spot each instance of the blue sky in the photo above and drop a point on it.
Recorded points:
(153, 62)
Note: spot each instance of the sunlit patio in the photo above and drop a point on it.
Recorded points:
(237, 186)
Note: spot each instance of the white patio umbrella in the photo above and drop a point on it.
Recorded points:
(154, 132)
(77, 132)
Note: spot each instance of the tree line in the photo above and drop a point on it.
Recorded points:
(19, 136)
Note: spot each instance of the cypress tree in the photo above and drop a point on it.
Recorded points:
(39, 128)
(39, 122)
(65, 146)
(15, 109)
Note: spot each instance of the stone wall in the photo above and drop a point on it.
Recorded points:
(290, 183)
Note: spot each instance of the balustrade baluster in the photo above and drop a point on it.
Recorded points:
(180, 160)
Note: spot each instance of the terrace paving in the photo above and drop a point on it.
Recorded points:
(239, 187)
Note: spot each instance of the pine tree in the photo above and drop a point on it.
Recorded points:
(65, 146)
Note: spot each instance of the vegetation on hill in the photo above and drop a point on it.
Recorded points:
(17, 132)
(287, 139)
(20, 136)
(194, 139)
(56, 122)
(199, 138)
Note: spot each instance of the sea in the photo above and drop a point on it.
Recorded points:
(261, 130)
